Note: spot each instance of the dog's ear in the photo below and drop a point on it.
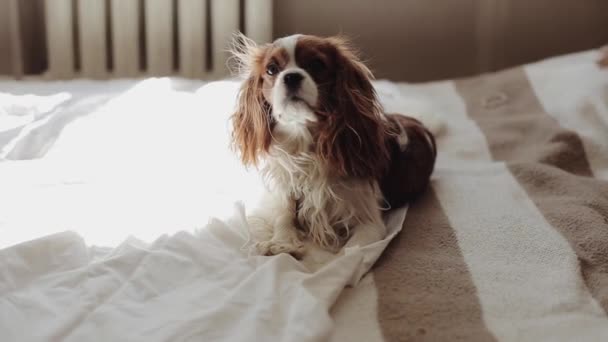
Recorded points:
(243, 54)
(252, 121)
(353, 134)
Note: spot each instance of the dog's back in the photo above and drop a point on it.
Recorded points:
(413, 153)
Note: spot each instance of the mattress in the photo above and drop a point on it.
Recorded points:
(122, 218)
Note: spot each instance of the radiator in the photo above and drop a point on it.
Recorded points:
(132, 38)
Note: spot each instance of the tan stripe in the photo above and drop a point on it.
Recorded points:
(425, 290)
(516, 127)
(548, 162)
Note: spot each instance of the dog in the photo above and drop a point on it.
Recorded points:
(309, 118)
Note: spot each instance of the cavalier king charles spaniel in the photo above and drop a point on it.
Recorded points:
(309, 118)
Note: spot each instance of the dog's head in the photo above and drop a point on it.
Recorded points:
(317, 86)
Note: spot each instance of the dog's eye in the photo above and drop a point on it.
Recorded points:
(272, 69)
(317, 65)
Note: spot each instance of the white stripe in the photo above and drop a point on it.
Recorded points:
(574, 91)
(289, 44)
(527, 276)
(462, 143)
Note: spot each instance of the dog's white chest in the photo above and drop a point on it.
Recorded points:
(327, 207)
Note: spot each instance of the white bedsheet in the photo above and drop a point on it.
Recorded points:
(107, 190)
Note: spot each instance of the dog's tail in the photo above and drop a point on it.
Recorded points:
(434, 122)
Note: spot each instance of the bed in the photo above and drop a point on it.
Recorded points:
(122, 218)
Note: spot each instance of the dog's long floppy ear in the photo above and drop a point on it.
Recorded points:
(353, 137)
(252, 120)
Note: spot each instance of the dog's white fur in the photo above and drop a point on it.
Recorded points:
(292, 171)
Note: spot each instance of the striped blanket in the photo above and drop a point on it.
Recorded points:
(511, 242)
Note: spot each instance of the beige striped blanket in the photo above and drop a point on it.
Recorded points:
(511, 242)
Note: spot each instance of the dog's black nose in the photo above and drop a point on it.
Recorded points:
(293, 80)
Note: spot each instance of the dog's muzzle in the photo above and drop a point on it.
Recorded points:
(293, 82)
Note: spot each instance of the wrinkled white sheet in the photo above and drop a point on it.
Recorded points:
(107, 196)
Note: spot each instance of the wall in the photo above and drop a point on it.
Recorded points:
(420, 40)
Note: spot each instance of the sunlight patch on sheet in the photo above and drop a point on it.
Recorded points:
(151, 161)
(19, 113)
(19, 110)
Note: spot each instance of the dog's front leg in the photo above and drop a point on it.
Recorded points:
(368, 232)
(273, 223)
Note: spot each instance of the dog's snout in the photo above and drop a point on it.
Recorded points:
(293, 80)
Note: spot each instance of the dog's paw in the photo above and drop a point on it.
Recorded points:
(364, 236)
(275, 247)
(259, 228)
